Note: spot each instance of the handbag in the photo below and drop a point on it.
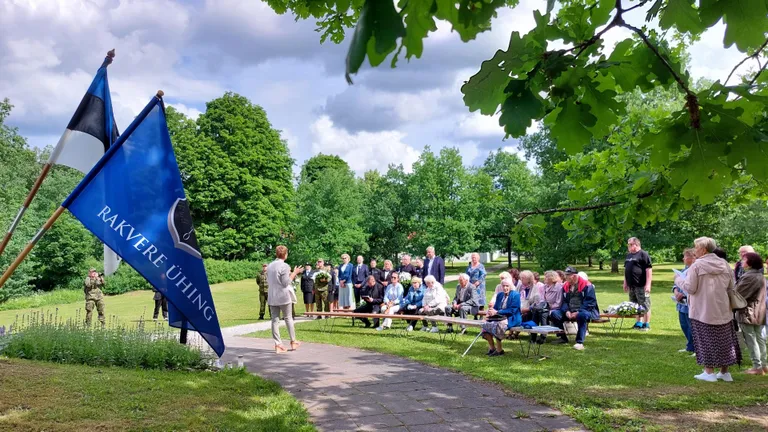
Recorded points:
(737, 300)
(496, 318)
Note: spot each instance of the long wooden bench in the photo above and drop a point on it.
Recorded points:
(330, 324)
(615, 321)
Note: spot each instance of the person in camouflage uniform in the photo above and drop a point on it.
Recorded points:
(321, 290)
(261, 281)
(94, 297)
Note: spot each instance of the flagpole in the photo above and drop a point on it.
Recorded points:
(27, 249)
(36, 187)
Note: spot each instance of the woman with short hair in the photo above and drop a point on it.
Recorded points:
(707, 283)
(502, 315)
(393, 296)
(434, 303)
(346, 293)
(477, 273)
(751, 286)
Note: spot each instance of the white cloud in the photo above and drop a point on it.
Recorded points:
(190, 112)
(363, 151)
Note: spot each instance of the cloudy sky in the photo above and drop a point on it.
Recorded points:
(195, 50)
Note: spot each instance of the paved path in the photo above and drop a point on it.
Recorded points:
(350, 389)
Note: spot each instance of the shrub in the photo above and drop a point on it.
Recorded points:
(71, 342)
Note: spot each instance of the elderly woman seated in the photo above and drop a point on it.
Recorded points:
(434, 303)
(532, 306)
(503, 314)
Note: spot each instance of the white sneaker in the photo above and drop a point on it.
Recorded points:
(724, 376)
(435, 330)
(693, 354)
(379, 328)
(682, 350)
(409, 329)
(704, 376)
(425, 329)
(579, 347)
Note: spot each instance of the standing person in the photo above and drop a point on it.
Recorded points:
(261, 281)
(345, 283)
(308, 288)
(393, 297)
(160, 303)
(373, 294)
(406, 266)
(739, 269)
(375, 271)
(434, 266)
(333, 292)
(476, 272)
(418, 265)
(359, 275)
(707, 283)
(322, 288)
(281, 297)
(579, 304)
(689, 257)
(751, 286)
(386, 273)
(94, 297)
(638, 273)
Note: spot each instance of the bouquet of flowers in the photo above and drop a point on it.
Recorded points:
(405, 278)
(626, 309)
(322, 277)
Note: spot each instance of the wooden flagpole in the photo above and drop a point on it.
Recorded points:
(27, 249)
(40, 178)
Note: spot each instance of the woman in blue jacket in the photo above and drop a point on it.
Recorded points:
(346, 298)
(502, 315)
(412, 302)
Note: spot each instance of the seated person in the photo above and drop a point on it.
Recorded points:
(503, 314)
(579, 304)
(412, 302)
(552, 292)
(464, 302)
(530, 301)
(393, 297)
(373, 294)
(434, 303)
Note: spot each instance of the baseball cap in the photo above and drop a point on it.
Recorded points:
(570, 270)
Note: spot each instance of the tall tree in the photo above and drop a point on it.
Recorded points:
(386, 212)
(328, 218)
(314, 166)
(237, 172)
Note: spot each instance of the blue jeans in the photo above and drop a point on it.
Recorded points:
(557, 317)
(685, 325)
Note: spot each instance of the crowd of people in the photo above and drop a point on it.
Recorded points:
(704, 293)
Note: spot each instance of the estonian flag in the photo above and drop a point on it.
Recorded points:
(92, 129)
(133, 200)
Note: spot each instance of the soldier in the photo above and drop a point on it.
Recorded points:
(94, 296)
(261, 281)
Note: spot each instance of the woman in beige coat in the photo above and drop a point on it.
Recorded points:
(707, 283)
(751, 286)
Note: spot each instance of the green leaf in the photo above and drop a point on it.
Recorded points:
(682, 15)
(419, 21)
(667, 142)
(520, 108)
(746, 21)
(550, 5)
(485, 90)
(602, 12)
(603, 105)
(570, 125)
(378, 21)
(469, 17)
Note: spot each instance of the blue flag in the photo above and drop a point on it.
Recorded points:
(133, 201)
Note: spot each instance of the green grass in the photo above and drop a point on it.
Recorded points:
(62, 296)
(46, 396)
(619, 382)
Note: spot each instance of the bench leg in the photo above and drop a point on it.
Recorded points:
(473, 342)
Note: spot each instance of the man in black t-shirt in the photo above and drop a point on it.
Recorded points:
(638, 273)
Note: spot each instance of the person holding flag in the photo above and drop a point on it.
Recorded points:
(90, 132)
(133, 200)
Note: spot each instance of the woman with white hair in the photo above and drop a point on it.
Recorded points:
(434, 303)
(503, 314)
(707, 283)
(739, 269)
(476, 272)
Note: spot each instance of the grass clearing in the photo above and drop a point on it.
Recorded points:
(631, 381)
(46, 396)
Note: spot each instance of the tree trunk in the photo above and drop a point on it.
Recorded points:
(614, 265)
(509, 252)
(601, 264)
(590, 262)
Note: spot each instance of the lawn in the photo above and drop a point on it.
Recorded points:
(47, 396)
(633, 381)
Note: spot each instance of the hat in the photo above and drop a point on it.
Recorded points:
(570, 270)
(91, 269)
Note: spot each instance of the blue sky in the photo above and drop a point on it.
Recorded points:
(196, 50)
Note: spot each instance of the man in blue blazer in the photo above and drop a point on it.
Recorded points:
(434, 265)
(360, 273)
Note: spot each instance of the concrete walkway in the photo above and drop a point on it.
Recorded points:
(346, 389)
